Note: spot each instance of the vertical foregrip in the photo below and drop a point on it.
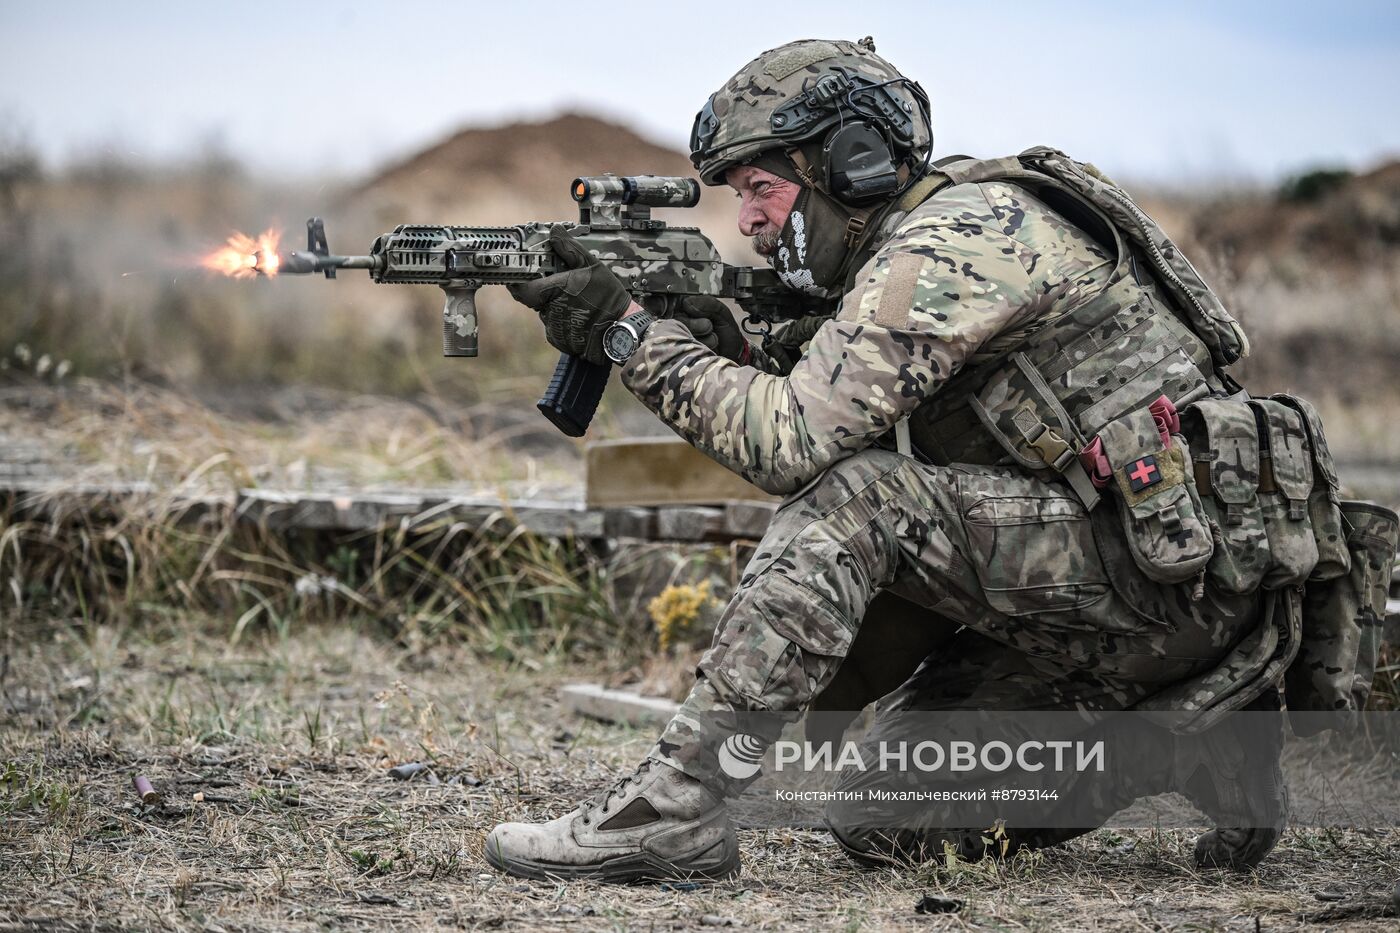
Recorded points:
(459, 327)
(573, 394)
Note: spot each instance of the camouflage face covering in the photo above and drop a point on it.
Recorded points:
(812, 251)
(811, 254)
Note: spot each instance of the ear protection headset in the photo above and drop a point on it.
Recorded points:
(860, 164)
(872, 133)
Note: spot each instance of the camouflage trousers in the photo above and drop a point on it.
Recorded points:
(995, 580)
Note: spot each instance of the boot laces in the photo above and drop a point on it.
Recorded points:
(601, 802)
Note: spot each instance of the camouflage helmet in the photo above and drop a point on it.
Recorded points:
(798, 92)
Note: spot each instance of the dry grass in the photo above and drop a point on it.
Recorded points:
(279, 676)
(1332, 338)
(187, 652)
(505, 593)
(98, 267)
(145, 557)
(288, 740)
(99, 271)
(498, 589)
(106, 431)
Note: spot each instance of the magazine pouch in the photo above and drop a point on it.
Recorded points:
(1285, 485)
(1324, 513)
(1225, 453)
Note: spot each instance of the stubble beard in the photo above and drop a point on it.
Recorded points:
(766, 243)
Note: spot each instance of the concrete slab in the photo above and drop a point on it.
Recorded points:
(595, 701)
(659, 471)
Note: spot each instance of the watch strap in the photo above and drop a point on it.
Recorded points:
(639, 322)
(636, 326)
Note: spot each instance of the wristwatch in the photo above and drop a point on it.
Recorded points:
(622, 338)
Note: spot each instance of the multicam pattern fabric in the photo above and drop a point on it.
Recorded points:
(1010, 556)
(1208, 316)
(963, 279)
(1343, 616)
(737, 123)
(982, 269)
(969, 264)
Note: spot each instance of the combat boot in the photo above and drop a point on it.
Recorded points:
(1242, 789)
(656, 823)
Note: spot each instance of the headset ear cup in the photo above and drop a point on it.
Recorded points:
(859, 163)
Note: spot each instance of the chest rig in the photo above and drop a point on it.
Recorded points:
(1034, 397)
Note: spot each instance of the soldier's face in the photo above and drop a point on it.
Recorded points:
(765, 200)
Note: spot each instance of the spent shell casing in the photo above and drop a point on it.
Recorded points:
(144, 790)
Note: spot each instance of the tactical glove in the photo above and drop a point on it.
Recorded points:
(710, 322)
(578, 304)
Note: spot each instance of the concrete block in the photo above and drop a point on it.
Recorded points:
(689, 523)
(620, 706)
(630, 523)
(748, 519)
(659, 471)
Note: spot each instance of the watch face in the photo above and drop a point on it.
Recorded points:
(618, 343)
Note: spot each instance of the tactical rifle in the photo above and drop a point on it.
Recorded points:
(657, 263)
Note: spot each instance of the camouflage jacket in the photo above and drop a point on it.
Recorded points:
(990, 257)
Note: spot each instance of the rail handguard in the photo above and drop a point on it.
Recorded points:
(657, 263)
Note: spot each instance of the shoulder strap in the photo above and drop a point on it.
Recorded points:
(1199, 305)
(921, 191)
(965, 170)
(1079, 210)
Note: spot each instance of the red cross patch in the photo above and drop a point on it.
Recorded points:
(1142, 473)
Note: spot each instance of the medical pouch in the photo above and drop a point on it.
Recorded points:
(1285, 484)
(1225, 452)
(1162, 517)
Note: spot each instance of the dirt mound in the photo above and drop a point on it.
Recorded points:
(529, 156)
(522, 171)
(1355, 222)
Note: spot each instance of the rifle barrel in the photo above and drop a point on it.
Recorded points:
(300, 263)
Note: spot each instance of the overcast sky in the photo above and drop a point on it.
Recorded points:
(1163, 91)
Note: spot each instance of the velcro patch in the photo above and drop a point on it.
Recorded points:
(897, 291)
(798, 57)
(1143, 473)
(1148, 474)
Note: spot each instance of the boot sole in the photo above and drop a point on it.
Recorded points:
(620, 870)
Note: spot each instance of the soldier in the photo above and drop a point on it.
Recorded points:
(1000, 446)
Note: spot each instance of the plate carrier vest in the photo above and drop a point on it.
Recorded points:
(1258, 505)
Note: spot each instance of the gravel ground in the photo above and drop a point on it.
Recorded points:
(278, 812)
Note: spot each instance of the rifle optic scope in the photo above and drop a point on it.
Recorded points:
(642, 190)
